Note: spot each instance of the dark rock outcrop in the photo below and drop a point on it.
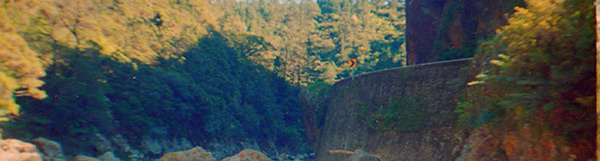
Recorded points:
(449, 29)
(52, 150)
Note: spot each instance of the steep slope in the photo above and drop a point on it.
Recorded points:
(212, 97)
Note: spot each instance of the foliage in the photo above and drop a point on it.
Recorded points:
(313, 98)
(320, 90)
(313, 41)
(318, 94)
(229, 69)
(224, 97)
(539, 67)
(404, 114)
(310, 47)
(128, 30)
(20, 66)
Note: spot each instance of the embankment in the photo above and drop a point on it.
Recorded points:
(356, 105)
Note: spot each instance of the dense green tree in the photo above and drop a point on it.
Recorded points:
(392, 47)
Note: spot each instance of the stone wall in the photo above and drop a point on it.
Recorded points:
(346, 126)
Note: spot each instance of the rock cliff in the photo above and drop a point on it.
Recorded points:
(449, 29)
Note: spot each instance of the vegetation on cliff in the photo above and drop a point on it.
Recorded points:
(405, 114)
(538, 72)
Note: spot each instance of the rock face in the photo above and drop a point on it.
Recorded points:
(194, 154)
(449, 29)
(15, 150)
(352, 105)
(248, 155)
(52, 150)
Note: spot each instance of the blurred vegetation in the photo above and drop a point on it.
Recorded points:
(539, 71)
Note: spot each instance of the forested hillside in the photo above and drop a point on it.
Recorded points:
(209, 71)
(310, 41)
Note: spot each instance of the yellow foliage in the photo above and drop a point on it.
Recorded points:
(8, 83)
(127, 30)
(497, 62)
(20, 66)
(540, 18)
(543, 76)
(329, 72)
(475, 83)
(130, 30)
